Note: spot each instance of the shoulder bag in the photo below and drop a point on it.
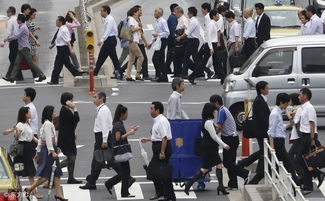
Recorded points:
(248, 126)
(16, 149)
(122, 153)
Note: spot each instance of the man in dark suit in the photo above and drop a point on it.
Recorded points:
(263, 25)
(261, 113)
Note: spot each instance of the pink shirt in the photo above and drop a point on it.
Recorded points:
(72, 25)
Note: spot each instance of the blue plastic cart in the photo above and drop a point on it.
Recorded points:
(184, 161)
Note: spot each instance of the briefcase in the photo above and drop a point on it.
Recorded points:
(236, 60)
(104, 156)
(159, 171)
(315, 159)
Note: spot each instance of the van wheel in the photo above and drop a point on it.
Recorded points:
(238, 113)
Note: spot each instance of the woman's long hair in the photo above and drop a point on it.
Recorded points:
(208, 111)
(22, 114)
(47, 113)
(120, 110)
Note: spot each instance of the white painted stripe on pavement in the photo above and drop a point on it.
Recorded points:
(48, 79)
(322, 189)
(140, 102)
(115, 89)
(6, 83)
(74, 193)
(135, 190)
(179, 193)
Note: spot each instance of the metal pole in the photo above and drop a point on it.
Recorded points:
(92, 89)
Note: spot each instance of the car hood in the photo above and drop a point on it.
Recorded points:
(282, 32)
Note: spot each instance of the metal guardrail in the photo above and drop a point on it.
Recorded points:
(282, 184)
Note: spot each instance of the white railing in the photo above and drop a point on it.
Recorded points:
(281, 181)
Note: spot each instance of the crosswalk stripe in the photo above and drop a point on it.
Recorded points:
(5, 83)
(48, 79)
(73, 192)
(135, 190)
(322, 189)
(179, 193)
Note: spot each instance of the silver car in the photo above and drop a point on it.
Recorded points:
(287, 64)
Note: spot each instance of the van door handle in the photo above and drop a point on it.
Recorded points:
(305, 82)
(291, 80)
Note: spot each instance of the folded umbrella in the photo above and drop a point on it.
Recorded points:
(144, 155)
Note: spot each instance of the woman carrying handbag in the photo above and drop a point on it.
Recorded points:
(120, 136)
(47, 154)
(25, 137)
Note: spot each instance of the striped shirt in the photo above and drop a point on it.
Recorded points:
(227, 122)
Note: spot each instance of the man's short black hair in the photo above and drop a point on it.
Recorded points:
(25, 7)
(259, 6)
(282, 98)
(230, 14)
(21, 18)
(107, 9)
(216, 99)
(212, 13)
(66, 96)
(12, 10)
(172, 7)
(311, 8)
(30, 92)
(102, 95)
(206, 6)
(61, 19)
(259, 86)
(158, 106)
(294, 99)
(306, 91)
(192, 10)
(222, 9)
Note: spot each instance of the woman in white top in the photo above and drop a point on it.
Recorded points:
(305, 23)
(210, 154)
(134, 50)
(25, 136)
(47, 154)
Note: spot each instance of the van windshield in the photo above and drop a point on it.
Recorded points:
(249, 61)
(236, 4)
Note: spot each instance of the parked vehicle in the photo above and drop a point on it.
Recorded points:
(319, 5)
(287, 64)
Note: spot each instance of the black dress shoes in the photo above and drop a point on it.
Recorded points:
(52, 83)
(128, 196)
(155, 197)
(74, 181)
(41, 78)
(109, 188)
(8, 79)
(88, 186)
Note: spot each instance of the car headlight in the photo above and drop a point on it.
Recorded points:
(230, 85)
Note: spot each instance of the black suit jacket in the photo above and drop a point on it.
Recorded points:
(263, 29)
(261, 113)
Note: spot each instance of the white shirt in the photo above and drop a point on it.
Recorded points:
(221, 23)
(63, 37)
(174, 107)
(207, 20)
(26, 132)
(12, 26)
(308, 114)
(264, 97)
(209, 126)
(193, 29)
(33, 122)
(47, 136)
(136, 34)
(103, 121)
(316, 26)
(259, 19)
(160, 129)
(161, 27)
(182, 23)
(323, 16)
(212, 29)
(304, 28)
(235, 31)
(277, 129)
(110, 28)
(249, 29)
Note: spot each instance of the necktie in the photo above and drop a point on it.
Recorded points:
(257, 21)
(54, 37)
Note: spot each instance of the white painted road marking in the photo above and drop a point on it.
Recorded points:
(135, 190)
(180, 194)
(73, 192)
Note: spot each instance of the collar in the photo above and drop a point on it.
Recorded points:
(261, 15)
(157, 118)
(98, 107)
(250, 18)
(278, 109)
(305, 104)
(177, 93)
(313, 17)
(264, 97)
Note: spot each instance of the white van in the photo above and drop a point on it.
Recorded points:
(287, 64)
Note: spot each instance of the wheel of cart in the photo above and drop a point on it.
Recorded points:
(184, 161)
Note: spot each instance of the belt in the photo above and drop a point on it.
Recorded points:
(229, 135)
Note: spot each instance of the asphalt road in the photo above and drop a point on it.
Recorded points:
(136, 96)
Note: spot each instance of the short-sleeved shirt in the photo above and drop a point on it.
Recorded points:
(160, 129)
(118, 126)
(193, 29)
(308, 114)
(227, 121)
(136, 35)
(26, 132)
(33, 122)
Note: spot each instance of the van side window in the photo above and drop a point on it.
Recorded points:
(275, 62)
(313, 60)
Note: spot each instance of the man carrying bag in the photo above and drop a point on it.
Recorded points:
(159, 169)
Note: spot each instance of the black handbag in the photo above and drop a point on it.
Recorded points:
(16, 149)
(248, 126)
(236, 60)
(122, 153)
(159, 171)
(104, 156)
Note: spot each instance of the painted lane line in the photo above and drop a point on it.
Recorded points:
(180, 194)
(115, 89)
(6, 83)
(74, 193)
(135, 189)
(139, 103)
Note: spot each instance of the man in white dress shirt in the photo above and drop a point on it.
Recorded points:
(174, 106)
(102, 129)
(108, 43)
(162, 32)
(161, 148)
(315, 23)
(63, 47)
(249, 34)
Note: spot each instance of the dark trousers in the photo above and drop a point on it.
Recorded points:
(191, 49)
(13, 50)
(108, 49)
(144, 69)
(203, 55)
(249, 47)
(123, 174)
(178, 60)
(165, 187)
(96, 167)
(229, 161)
(170, 53)
(293, 156)
(62, 58)
(218, 62)
(158, 60)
